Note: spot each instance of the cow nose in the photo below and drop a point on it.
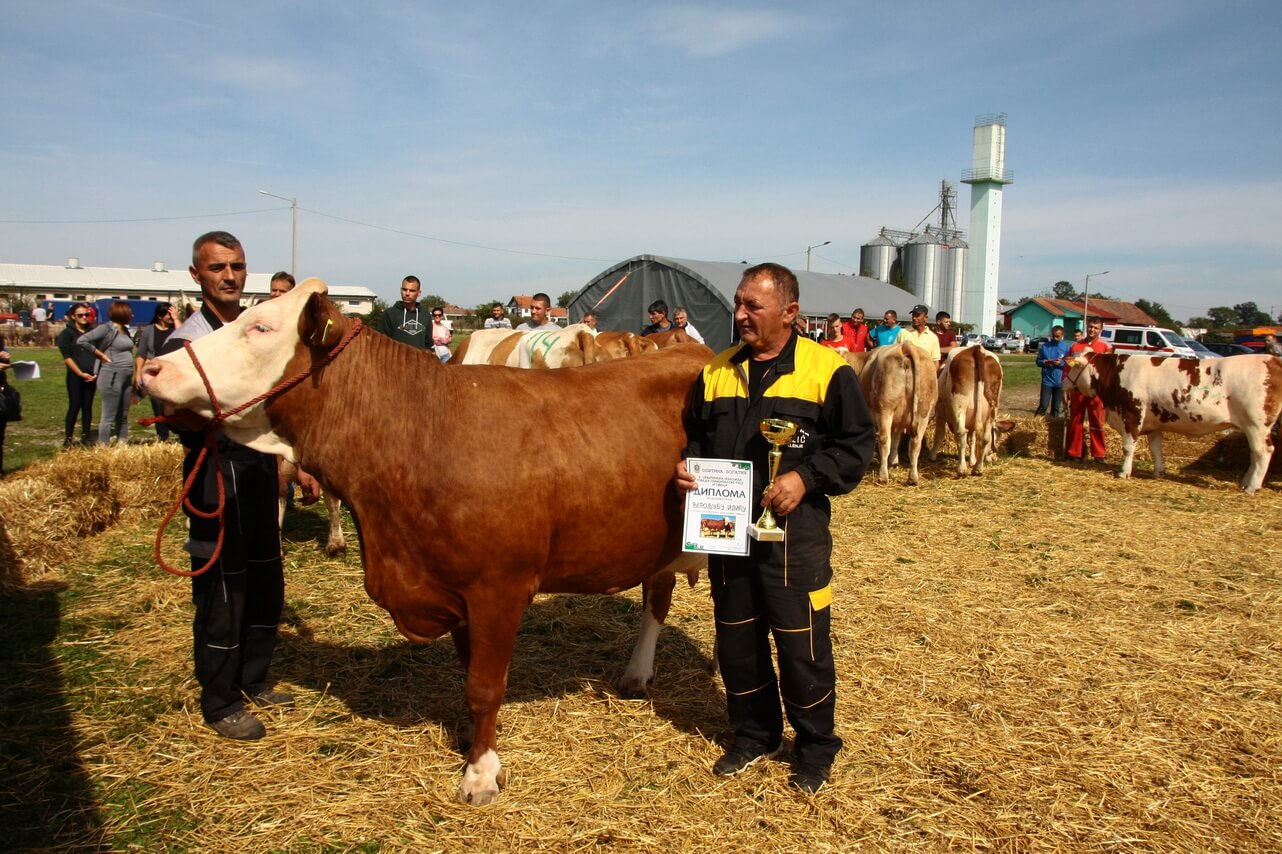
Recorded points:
(150, 370)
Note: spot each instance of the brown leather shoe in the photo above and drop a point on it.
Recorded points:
(240, 725)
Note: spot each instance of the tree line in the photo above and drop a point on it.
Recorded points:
(1217, 319)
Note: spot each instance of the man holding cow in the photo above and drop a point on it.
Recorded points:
(780, 588)
(1083, 410)
(240, 596)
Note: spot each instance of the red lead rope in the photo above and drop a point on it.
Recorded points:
(210, 451)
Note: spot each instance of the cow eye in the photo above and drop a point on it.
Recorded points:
(262, 327)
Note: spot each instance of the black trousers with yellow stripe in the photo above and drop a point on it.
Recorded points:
(780, 590)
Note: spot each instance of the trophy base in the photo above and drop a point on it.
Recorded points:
(766, 535)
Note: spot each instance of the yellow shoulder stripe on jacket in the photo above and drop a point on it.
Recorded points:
(815, 365)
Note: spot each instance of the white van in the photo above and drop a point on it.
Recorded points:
(1146, 341)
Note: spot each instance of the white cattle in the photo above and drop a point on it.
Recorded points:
(569, 347)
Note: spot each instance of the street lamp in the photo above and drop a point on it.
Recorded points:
(1086, 296)
(816, 246)
(293, 236)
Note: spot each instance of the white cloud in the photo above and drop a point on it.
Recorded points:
(711, 31)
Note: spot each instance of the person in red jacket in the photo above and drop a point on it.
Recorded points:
(1082, 408)
(856, 331)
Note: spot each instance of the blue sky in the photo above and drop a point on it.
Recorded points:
(496, 148)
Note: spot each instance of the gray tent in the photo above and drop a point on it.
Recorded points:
(622, 294)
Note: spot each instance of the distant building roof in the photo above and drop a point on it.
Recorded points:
(1108, 310)
(44, 280)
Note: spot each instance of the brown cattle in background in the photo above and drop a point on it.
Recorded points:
(899, 383)
(970, 393)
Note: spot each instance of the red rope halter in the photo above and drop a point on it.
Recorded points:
(210, 449)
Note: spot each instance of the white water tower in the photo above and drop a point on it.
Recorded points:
(987, 175)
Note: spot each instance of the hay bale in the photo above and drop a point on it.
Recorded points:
(51, 506)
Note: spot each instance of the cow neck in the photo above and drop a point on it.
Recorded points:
(210, 449)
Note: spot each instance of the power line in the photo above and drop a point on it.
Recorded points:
(139, 219)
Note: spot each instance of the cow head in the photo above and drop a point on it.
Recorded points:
(1081, 372)
(247, 358)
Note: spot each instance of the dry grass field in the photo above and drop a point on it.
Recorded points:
(1042, 659)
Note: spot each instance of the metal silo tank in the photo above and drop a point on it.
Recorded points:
(877, 256)
(952, 277)
(922, 259)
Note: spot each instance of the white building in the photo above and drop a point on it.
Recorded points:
(37, 283)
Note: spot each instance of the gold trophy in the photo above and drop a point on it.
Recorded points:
(777, 433)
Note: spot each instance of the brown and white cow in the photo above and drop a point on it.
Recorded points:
(899, 383)
(970, 393)
(569, 347)
(1149, 396)
(597, 509)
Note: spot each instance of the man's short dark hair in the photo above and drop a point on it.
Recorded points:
(1057, 326)
(413, 279)
(162, 308)
(891, 312)
(940, 315)
(283, 275)
(659, 306)
(785, 281)
(543, 298)
(225, 239)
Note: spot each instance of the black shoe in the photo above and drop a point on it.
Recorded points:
(738, 759)
(277, 699)
(241, 726)
(810, 778)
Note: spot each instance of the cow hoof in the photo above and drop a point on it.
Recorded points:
(335, 549)
(633, 688)
(482, 781)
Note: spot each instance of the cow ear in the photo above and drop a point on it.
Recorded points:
(320, 324)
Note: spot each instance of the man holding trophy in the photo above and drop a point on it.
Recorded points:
(778, 391)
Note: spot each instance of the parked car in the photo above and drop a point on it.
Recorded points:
(1228, 349)
(989, 343)
(1031, 345)
(1010, 342)
(1202, 351)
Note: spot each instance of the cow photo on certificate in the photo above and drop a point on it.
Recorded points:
(719, 511)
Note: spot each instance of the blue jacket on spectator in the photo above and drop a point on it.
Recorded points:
(1052, 375)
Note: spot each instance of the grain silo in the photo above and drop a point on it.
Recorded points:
(952, 277)
(878, 256)
(923, 259)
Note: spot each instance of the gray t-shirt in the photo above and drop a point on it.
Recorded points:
(119, 346)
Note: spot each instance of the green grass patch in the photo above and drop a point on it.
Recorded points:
(39, 435)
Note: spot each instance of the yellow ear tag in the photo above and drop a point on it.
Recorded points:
(325, 332)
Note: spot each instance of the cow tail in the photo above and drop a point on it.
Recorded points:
(981, 399)
(912, 384)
